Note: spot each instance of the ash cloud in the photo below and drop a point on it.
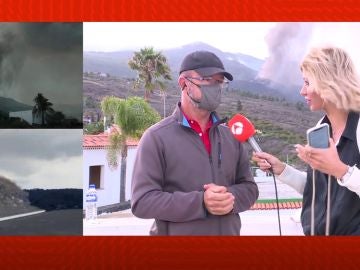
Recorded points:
(288, 44)
(11, 56)
(53, 36)
(41, 57)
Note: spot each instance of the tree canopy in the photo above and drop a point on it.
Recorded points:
(152, 69)
(133, 116)
(42, 107)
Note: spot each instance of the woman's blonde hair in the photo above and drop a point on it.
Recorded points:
(334, 75)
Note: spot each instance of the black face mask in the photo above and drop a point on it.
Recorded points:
(210, 97)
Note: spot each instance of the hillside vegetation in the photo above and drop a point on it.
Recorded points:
(280, 123)
(13, 200)
(56, 199)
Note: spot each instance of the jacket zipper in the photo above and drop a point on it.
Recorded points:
(212, 168)
(219, 148)
(215, 126)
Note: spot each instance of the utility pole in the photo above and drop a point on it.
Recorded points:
(164, 97)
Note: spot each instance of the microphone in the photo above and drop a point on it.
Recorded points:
(243, 130)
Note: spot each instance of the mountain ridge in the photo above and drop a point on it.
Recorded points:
(11, 105)
(245, 68)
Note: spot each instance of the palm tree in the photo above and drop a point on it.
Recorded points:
(42, 107)
(133, 116)
(151, 67)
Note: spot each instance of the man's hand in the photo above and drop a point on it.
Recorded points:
(218, 201)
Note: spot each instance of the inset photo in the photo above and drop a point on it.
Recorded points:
(41, 75)
(41, 182)
(200, 128)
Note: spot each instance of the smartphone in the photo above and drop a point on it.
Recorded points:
(318, 137)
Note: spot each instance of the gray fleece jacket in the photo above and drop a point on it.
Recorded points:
(171, 167)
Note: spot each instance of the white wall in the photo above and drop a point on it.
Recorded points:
(26, 115)
(110, 193)
(129, 170)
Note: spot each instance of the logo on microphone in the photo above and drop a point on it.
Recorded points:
(237, 128)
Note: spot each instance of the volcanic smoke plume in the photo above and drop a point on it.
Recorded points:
(287, 44)
(41, 57)
(11, 56)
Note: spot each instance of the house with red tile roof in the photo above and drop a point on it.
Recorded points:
(107, 181)
(97, 171)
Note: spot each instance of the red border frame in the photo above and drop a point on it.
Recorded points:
(179, 252)
(179, 10)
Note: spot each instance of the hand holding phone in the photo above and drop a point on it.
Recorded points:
(318, 136)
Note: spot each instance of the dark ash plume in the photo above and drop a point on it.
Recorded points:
(41, 57)
(53, 36)
(11, 56)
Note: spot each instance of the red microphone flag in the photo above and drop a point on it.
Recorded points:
(241, 127)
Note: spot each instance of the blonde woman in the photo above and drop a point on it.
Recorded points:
(331, 185)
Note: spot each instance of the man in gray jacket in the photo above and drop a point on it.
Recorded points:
(190, 174)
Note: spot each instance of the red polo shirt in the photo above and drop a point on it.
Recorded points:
(204, 136)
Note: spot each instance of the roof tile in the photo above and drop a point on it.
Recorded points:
(101, 141)
(272, 205)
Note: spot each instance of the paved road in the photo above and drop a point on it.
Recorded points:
(57, 222)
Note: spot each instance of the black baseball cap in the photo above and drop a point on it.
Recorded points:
(205, 63)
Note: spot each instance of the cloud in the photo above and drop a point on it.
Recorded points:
(42, 158)
(343, 35)
(288, 43)
(40, 143)
(16, 167)
(41, 57)
(49, 175)
(54, 37)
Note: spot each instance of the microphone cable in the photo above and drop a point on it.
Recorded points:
(328, 205)
(328, 208)
(312, 217)
(277, 199)
(276, 196)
